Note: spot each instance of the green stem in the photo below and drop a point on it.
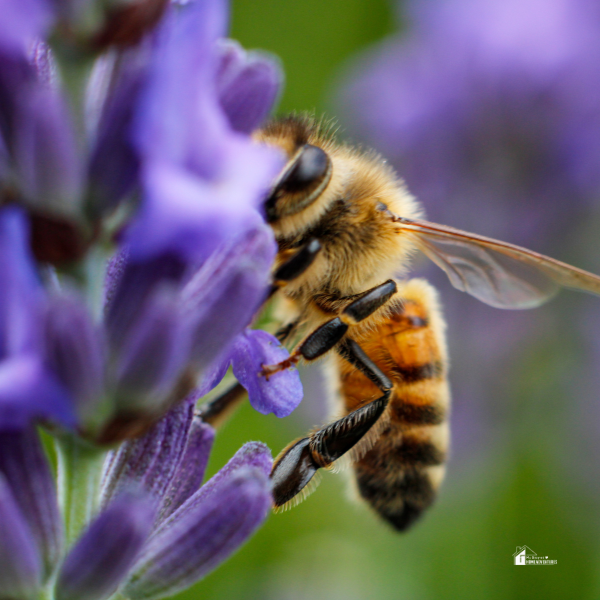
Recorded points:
(79, 473)
(47, 593)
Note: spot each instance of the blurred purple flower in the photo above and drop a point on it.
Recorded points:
(27, 388)
(20, 565)
(202, 181)
(168, 119)
(43, 161)
(248, 84)
(491, 112)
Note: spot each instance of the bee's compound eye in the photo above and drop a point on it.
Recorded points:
(311, 165)
(300, 185)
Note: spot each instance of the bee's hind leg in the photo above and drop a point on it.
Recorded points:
(297, 464)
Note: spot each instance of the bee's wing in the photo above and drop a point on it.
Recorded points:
(497, 273)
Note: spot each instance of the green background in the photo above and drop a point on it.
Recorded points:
(516, 492)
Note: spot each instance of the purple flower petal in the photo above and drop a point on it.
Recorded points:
(20, 565)
(22, 22)
(99, 561)
(3, 164)
(248, 84)
(212, 376)
(20, 294)
(47, 159)
(115, 268)
(282, 392)
(199, 190)
(130, 286)
(254, 455)
(221, 299)
(75, 352)
(15, 75)
(181, 86)
(191, 216)
(25, 467)
(150, 461)
(27, 389)
(38, 132)
(195, 541)
(112, 96)
(189, 472)
(153, 355)
(28, 392)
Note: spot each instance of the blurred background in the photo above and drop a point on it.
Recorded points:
(491, 111)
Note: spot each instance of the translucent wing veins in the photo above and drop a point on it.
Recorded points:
(497, 273)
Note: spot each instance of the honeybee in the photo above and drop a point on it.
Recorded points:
(347, 227)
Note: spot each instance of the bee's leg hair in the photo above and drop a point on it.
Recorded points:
(325, 337)
(296, 265)
(296, 465)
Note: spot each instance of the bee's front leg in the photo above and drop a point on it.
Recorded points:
(320, 341)
(325, 337)
(296, 265)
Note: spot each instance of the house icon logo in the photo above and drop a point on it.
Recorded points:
(520, 555)
(524, 555)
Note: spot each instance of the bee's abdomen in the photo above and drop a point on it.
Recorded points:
(399, 476)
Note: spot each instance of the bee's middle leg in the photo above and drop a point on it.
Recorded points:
(325, 337)
(297, 464)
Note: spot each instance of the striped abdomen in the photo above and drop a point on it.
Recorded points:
(400, 474)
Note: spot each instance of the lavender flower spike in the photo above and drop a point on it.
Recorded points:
(207, 528)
